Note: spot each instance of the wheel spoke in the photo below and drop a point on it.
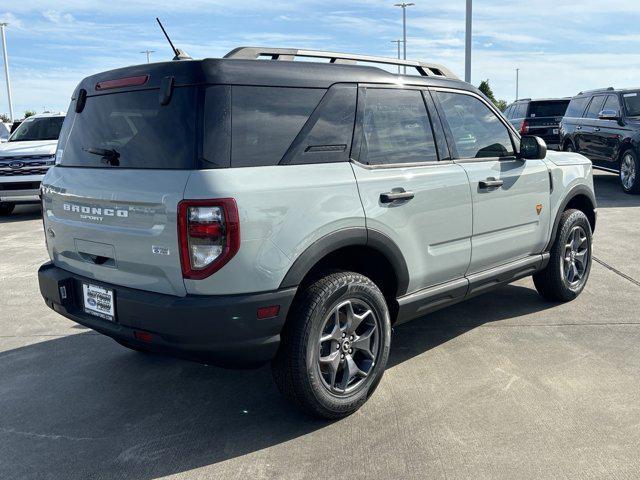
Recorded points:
(332, 362)
(353, 319)
(351, 371)
(363, 343)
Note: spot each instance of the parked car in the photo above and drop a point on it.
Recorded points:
(604, 125)
(298, 212)
(5, 131)
(26, 157)
(539, 117)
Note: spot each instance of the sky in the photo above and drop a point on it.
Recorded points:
(560, 48)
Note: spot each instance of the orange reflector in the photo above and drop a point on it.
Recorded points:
(268, 312)
(143, 336)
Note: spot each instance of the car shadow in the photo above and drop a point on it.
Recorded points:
(80, 406)
(609, 193)
(22, 213)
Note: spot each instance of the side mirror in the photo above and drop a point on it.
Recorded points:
(609, 115)
(532, 148)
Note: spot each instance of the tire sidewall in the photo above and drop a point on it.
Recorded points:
(375, 300)
(576, 218)
(634, 187)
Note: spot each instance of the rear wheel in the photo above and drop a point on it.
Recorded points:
(569, 266)
(6, 208)
(335, 346)
(629, 169)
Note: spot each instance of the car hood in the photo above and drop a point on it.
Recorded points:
(37, 147)
(566, 158)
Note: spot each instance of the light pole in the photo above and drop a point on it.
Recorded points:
(404, 27)
(517, 82)
(6, 69)
(398, 42)
(467, 44)
(148, 52)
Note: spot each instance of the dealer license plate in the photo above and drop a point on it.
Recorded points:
(98, 301)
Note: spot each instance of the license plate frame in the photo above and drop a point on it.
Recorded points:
(99, 301)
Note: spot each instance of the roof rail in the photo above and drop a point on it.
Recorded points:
(289, 54)
(597, 90)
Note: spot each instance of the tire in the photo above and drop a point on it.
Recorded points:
(304, 366)
(629, 171)
(568, 270)
(6, 209)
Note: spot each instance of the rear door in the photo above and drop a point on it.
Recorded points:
(110, 203)
(608, 135)
(510, 196)
(410, 190)
(586, 134)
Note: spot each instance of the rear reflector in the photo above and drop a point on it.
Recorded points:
(122, 82)
(143, 336)
(268, 312)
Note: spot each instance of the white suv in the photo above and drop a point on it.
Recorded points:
(26, 157)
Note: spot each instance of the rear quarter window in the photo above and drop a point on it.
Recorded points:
(266, 120)
(576, 107)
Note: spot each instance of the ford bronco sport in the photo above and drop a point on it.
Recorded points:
(237, 211)
(604, 126)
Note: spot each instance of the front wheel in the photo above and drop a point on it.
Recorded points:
(629, 169)
(569, 266)
(335, 345)
(6, 208)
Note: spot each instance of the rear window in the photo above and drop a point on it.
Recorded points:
(548, 109)
(632, 103)
(576, 107)
(40, 128)
(136, 128)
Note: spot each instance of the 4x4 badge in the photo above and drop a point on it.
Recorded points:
(538, 208)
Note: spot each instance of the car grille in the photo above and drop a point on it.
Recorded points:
(29, 165)
(20, 186)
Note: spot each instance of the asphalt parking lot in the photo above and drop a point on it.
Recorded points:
(503, 386)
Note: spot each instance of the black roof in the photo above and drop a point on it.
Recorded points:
(261, 73)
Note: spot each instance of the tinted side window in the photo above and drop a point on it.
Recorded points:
(396, 128)
(612, 103)
(595, 107)
(507, 112)
(576, 107)
(265, 120)
(477, 131)
(326, 137)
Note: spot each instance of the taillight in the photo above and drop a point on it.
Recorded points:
(524, 128)
(209, 233)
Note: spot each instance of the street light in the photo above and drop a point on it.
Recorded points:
(467, 44)
(398, 42)
(517, 82)
(148, 52)
(6, 69)
(404, 27)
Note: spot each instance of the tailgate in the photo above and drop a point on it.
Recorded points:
(116, 226)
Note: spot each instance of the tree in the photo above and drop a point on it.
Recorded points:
(29, 113)
(486, 89)
(4, 118)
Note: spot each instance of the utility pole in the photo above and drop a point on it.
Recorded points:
(517, 82)
(404, 27)
(6, 69)
(148, 52)
(467, 44)
(398, 42)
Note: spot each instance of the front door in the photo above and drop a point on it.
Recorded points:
(510, 196)
(422, 203)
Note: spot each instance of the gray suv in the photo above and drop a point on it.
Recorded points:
(237, 211)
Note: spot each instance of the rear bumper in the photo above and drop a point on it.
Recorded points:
(221, 330)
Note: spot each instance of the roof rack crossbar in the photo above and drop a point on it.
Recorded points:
(289, 54)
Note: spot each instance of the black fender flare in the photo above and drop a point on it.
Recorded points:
(348, 237)
(573, 193)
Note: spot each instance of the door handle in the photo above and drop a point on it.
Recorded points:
(490, 183)
(597, 129)
(579, 127)
(395, 196)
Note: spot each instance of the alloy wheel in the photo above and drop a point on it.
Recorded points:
(348, 346)
(576, 257)
(628, 171)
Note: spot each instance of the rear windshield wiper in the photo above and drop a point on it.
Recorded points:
(110, 157)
